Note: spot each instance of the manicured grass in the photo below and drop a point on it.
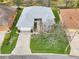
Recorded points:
(8, 45)
(55, 11)
(54, 42)
(19, 10)
(10, 39)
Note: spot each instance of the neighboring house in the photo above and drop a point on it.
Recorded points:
(36, 18)
(70, 21)
(70, 18)
(7, 16)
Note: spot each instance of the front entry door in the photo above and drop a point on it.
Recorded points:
(37, 25)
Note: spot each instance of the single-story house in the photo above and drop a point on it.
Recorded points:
(36, 18)
(7, 16)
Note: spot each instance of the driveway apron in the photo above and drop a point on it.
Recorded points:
(23, 44)
(74, 42)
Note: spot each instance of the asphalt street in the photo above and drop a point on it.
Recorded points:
(38, 57)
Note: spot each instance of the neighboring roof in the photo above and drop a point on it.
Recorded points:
(30, 13)
(70, 18)
(5, 14)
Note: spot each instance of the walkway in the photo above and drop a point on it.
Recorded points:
(23, 44)
(74, 43)
(2, 34)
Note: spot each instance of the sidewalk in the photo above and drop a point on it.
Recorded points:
(75, 45)
(74, 42)
(2, 35)
(23, 44)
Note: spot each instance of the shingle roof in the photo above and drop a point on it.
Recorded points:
(5, 14)
(70, 18)
(30, 13)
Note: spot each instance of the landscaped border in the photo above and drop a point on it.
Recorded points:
(11, 37)
(53, 42)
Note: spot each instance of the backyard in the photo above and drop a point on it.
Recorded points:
(11, 37)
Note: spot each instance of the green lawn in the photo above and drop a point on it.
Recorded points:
(10, 39)
(55, 41)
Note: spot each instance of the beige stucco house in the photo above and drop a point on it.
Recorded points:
(36, 18)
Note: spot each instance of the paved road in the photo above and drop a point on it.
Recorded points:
(38, 57)
(23, 44)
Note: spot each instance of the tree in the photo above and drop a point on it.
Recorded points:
(77, 4)
(31, 2)
(70, 3)
(52, 2)
(17, 3)
(1, 0)
(39, 2)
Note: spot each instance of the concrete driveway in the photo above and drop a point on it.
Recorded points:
(2, 34)
(74, 42)
(23, 44)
